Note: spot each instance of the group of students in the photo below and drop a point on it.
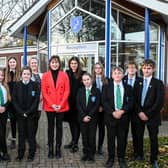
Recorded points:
(86, 102)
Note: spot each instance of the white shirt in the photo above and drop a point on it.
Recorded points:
(122, 92)
(4, 91)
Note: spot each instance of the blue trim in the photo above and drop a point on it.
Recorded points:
(147, 33)
(160, 54)
(49, 34)
(25, 46)
(108, 39)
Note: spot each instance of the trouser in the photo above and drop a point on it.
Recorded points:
(119, 131)
(3, 119)
(153, 136)
(101, 127)
(88, 131)
(26, 130)
(75, 131)
(52, 116)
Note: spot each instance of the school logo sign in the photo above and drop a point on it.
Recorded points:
(76, 23)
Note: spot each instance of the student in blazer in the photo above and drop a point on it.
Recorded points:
(88, 100)
(117, 118)
(148, 106)
(55, 90)
(132, 79)
(4, 100)
(25, 98)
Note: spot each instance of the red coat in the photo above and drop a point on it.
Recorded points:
(55, 95)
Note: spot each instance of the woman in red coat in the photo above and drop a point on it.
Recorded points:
(55, 90)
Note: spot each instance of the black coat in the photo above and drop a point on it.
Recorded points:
(154, 100)
(93, 103)
(26, 101)
(109, 102)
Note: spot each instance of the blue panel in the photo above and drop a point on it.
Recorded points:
(25, 46)
(160, 54)
(108, 39)
(147, 33)
(49, 34)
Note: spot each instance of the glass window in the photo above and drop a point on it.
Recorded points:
(60, 10)
(92, 30)
(131, 28)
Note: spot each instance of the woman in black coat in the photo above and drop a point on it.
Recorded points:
(75, 76)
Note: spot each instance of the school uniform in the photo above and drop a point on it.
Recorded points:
(72, 116)
(116, 127)
(151, 104)
(133, 118)
(88, 129)
(100, 116)
(25, 99)
(3, 120)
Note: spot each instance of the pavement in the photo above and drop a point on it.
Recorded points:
(68, 160)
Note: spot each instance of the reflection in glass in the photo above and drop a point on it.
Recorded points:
(92, 30)
(63, 8)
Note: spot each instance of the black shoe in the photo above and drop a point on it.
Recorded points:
(50, 152)
(74, 148)
(91, 159)
(58, 153)
(68, 146)
(139, 158)
(13, 144)
(109, 163)
(19, 158)
(155, 164)
(84, 157)
(5, 157)
(30, 158)
(122, 163)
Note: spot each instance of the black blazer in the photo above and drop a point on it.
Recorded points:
(93, 103)
(109, 102)
(32, 101)
(154, 100)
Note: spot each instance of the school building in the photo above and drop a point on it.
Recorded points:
(110, 31)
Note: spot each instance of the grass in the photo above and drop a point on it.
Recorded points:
(163, 154)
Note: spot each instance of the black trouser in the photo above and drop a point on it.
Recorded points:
(12, 115)
(3, 119)
(119, 130)
(51, 116)
(75, 131)
(88, 131)
(26, 130)
(153, 136)
(101, 126)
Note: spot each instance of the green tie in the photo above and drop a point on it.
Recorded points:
(87, 95)
(118, 98)
(1, 97)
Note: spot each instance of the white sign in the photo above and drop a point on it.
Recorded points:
(76, 48)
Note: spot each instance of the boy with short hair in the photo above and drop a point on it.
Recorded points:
(117, 101)
(149, 95)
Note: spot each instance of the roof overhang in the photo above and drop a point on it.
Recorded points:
(16, 29)
(159, 6)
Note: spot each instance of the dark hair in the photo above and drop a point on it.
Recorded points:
(87, 74)
(26, 68)
(7, 71)
(56, 58)
(132, 63)
(79, 69)
(149, 62)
